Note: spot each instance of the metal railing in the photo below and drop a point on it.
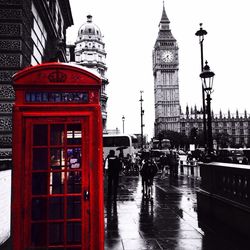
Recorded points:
(231, 181)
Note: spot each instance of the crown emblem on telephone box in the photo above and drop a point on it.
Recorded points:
(57, 76)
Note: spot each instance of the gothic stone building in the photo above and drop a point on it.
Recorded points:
(168, 114)
(31, 32)
(235, 126)
(166, 83)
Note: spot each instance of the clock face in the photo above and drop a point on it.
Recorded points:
(167, 56)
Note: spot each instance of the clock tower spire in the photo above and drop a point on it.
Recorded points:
(166, 83)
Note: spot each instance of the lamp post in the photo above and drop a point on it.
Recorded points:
(201, 33)
(207, 78)
(123, 120)
(142, 125)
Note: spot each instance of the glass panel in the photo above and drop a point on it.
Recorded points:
(56, 233)
(56, 182)
(57, 160)
(38, 234)
(74, 181)
(56, 134)
(39, 208)
(56, 208)
(74, 134)
(74, 156)
(74, 232)
(40, 158)
(74, 207)
(40, 135)
(39, 183)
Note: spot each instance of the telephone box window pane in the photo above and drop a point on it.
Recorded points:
(56, 182)
(56, 208)
(74, 181)
(56, 234)
(38, 234)
(74, 207)
(39, 183)
(56, 134)
(57, 159)
(74, 156)
(39, 208)
(40, 135)
(74, 232)
(74, 134)
(40, 159)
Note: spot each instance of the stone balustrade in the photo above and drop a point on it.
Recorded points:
(224, 195)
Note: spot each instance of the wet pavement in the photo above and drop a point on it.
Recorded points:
(168, 222)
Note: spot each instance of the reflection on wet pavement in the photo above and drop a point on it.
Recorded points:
(168, 222)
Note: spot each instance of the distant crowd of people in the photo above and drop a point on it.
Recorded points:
(147, 166)
(143, 164)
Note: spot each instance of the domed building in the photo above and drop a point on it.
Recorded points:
(89, 52)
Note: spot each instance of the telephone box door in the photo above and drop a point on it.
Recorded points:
(57, 183)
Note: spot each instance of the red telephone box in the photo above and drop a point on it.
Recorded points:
(57, 199)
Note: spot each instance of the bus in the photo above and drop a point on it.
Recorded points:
(119, 142)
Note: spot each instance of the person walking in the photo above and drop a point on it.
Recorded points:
(148, 171)
(173, 164)
(114, 167)
(164, 165)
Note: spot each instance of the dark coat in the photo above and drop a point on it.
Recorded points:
(114, 165)
(148, 170)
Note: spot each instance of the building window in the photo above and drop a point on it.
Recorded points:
(52, 6)
(59, 25)
(89, 57)
(39, 37)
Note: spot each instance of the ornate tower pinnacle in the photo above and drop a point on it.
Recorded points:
(90, 53)
(166, 83)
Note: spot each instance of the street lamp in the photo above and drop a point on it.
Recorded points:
(207, 78)
(142, 125)
(123, 120)
(201, 33)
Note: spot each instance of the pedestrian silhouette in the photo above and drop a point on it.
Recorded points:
(114, 167)
(173, 164)
(148, 171)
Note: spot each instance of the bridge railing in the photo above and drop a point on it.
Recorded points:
(224, 195)
(231, 181)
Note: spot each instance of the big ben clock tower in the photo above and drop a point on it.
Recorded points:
(166, 83)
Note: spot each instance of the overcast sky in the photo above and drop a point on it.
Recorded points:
(130, 29)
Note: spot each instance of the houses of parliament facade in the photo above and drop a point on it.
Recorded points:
(168, 114)
(234, 125)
